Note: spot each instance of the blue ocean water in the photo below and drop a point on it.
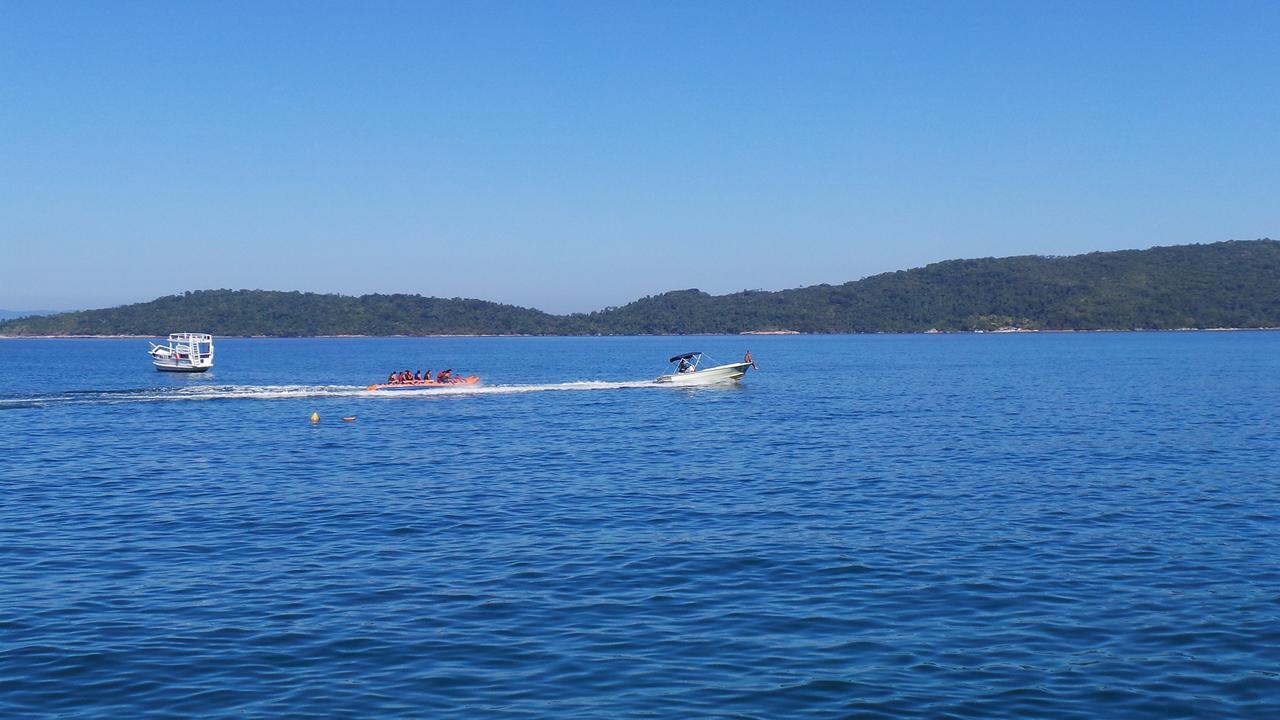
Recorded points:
(1008, 526)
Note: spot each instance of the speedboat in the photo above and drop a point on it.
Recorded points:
(185, 352)
(689, 371)
(423, 384)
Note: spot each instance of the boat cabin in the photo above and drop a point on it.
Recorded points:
(185, 352)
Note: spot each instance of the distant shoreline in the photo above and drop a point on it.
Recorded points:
(1016, 331)
(1217, 286)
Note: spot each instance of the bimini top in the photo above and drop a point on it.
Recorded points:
(685, 356)
(190, 337)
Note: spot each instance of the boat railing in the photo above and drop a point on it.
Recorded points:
(190, 347)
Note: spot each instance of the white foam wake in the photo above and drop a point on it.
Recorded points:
(275, 392)
(510, 389)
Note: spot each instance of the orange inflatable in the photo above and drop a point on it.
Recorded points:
(420, 384)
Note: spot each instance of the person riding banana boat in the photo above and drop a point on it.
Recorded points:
(408, 379)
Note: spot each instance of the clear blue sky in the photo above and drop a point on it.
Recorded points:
(569, 156)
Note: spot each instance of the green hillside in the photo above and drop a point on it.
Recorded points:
(1227, 284)
(264, 312)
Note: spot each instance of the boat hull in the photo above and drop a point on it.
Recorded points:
(717, 375)
(166, 367)
(423, 385)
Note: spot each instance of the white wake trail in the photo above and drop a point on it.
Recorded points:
(280, 392)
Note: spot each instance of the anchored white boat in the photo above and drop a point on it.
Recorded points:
(689, 371)
(186, 352)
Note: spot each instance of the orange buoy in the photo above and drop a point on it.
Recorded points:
(349, 419)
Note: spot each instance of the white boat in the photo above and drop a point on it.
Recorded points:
(689, 371)
(186, 352)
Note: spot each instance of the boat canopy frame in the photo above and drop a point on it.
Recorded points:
(695, 359)
(195, 348)
(190, 337)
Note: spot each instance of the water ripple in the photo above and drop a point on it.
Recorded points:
(895, 528)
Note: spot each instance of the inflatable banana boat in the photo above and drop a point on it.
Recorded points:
(422, 384)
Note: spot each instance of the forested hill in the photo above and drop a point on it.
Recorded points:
(269, 312)
(1227, 284)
